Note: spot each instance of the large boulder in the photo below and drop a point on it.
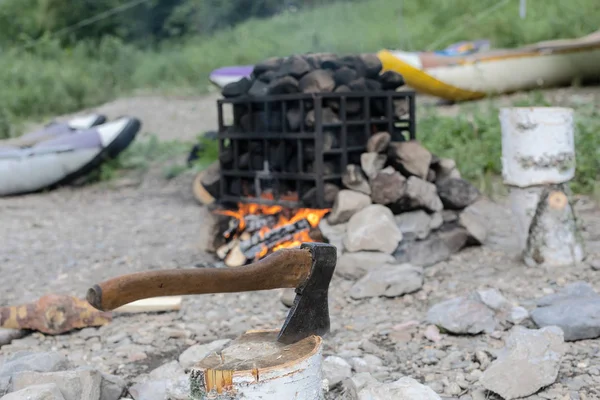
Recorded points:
(373, 228)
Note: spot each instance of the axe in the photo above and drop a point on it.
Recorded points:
(308, 269)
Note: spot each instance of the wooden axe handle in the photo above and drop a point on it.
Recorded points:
(286, 268)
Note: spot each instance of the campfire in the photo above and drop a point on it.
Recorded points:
(255, 230)
(323, 148)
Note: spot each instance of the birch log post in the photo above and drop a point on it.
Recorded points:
(538, 161)
(255, 366)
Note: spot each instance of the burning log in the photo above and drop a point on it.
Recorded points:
(260, 244)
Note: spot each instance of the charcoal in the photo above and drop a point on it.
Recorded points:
(372, 64)
(317, 81)
(267, 65)
(258, 89)
(391, 80)
(267, 77)
(294, 66)
(344, 76)
(235, 89)
(358, 85)
(285, 85)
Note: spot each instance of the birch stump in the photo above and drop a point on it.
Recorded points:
(538, 161)
(255, 366)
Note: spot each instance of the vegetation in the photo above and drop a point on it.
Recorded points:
(56, 58)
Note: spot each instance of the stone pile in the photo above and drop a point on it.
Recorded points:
(401, 206)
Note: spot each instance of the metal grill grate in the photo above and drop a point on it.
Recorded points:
(287, 145)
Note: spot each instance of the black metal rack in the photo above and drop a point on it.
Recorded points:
(290, 144)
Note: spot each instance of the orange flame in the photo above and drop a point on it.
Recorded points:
(285, 217)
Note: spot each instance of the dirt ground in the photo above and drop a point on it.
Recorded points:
(68, 239)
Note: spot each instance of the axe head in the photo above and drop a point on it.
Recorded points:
(309, 314)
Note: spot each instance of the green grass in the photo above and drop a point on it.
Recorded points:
(473, 139)
(50, 80)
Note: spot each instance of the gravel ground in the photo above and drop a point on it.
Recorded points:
(66, 240)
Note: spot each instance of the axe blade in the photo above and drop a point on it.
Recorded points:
(309, 315)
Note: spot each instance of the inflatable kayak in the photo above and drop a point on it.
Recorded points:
(54, 129)
(63, 158)
(490, 72)
(471, 70)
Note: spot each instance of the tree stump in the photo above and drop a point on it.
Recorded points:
(553, 237)
(538, 161)
(255, 366)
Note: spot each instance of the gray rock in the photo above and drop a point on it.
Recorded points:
(74, 385)
(169, 370)
(414, 224)
(354, 179)
(47, 391)
(405, 388)
(456, 194)
(493, 299)
(437, 247)
(387, 186)
(179, 388)
(198, 352)
(529, 362)
(474, 224)
(37, 362)
(112, 387)
(334, 234)
(388, 281)
(355, 265)
(347, 203)
(151, 390)
(573, 290)
(410, 156)
(335, 370)
(462, 315)
(371, 163)
(4, 385)
(437, 220)
(517, 315)
(287, 296)
(579, 318)
(422, 194)
(373, 229)
(446, 168)
(8, 335)
(379, 142)
(352, 386)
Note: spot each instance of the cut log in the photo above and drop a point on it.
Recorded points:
(255, 366)
(538, 145)
(553, 236)
(235, 257)
(207, 184)
(156, 304)
(538, 159)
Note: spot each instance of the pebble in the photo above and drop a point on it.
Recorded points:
(462, 315)
(432, 333)
(531, 358)
(557, 310)
(335, 370)
(388, 281)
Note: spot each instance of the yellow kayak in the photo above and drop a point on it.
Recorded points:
(473, 76)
